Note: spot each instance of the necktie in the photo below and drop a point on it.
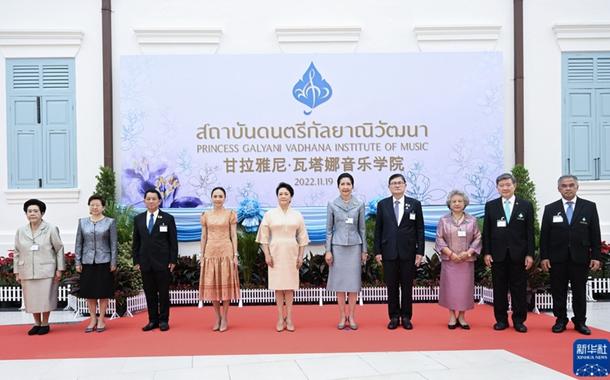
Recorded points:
(570, 211)
(507, 210)
(151, 223)
(397, 211)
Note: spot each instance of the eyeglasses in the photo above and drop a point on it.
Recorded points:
(397, 183)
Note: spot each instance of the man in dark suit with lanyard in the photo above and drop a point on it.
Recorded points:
(399, 245)
(570, 245)
(508, 248)
(155, 251)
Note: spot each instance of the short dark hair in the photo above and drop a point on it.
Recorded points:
(397, 175)
(284, 185)
(345, 175)
(35, 202)
(504, 176)
(98, 197)
(219, 188)
(153, 191)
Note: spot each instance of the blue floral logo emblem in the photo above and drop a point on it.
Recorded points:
(312, 90)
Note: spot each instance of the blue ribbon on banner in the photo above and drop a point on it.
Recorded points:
(189, 227)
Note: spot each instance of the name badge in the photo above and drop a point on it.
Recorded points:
(557, 219)
(35, 247)
(349, 221)
(501, 223)
(461, 233)
(412, 216)
(162, 228)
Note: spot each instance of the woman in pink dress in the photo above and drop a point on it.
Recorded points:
(219, 279)
(283, 237)
(458, 240)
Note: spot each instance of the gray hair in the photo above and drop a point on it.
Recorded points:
(504, 176)
(462, 194)
(567, 176)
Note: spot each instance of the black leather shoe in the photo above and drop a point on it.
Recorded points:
(150, 326)
(520, 327)
(406, 324)
(452, 326)
(464, 326)
(393, 324)
(34, 330)
(558, 327)
(500, 326)
(582, 328)
(43, 330)
(163, 326)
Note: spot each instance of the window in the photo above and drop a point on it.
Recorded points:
(586, 115)
(40, 125)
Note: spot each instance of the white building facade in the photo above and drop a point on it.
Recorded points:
(71, 30)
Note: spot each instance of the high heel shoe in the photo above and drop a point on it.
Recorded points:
(216, 326)
(341, 325)
(280, 326)
(224, 327)
(91, 328)
(289, 327)
(352, 325)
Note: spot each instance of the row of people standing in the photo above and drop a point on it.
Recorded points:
(569, 248)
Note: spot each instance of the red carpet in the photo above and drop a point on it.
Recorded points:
(252, 332)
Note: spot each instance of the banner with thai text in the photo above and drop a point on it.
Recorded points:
(247, 122)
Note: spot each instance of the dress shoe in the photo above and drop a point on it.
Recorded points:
(463, 326)
(406, 324)
(452, 326)
(34, 330)
(150, 326)
(163, 326)
(520, 327)
(500, 326)
(43, 330)
(341, 325)
(393, 324)
(352, 324)
(558, 327)
(582, 328)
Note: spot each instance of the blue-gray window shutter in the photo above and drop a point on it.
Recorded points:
(586, 115)
(41, 123)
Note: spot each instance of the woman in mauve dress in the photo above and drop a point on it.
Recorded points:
(458, 240)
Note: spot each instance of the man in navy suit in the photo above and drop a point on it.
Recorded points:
(570, 245)
(155, 251)
(399, 245)
(508, 248)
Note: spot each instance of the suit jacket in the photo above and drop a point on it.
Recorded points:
(579, 241)
(96, 242)
(517, 238)
(42, 263)
(154, 251)
(402, 241)
(338, 231)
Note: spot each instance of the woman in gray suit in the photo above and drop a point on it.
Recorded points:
(39, 261)
(345, 248)
(95, 259)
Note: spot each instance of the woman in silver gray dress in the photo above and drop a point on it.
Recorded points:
(345, 248)
(96, 259)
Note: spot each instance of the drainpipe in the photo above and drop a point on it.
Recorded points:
(519, 100)
(107, 77)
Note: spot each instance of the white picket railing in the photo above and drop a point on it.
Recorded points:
(542, 301)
